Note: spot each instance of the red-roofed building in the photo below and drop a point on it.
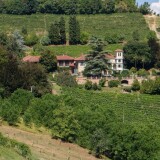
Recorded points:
(65, 61)
(31, 59)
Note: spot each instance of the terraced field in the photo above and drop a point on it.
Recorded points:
(98, 25)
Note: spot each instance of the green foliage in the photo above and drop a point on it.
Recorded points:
(127, 89)
(125, 73)
(145, 8)
(10, 112)
(31, 39)
(22, 99)
(24, 30)
(107, 24)
(49, 61)
(21, 148)
(125, 146)
(136, 85)
(84, 38)
(137, 54)
(54, 33)
(74, 31)
(65, 79)
(136, 35)
(65, 125)
(113, 83)
(62, 28)
(96, 61)
(143, 73)
(45, 41)
(114, 38)
(102, 82)
(88, 85)
(151, 86)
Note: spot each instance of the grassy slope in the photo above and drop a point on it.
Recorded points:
(80, 49)
(98, 25)
(9, 154)
(43, 147)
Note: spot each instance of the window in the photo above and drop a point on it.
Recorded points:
(60, 63)
(119, 60)
(119, 66)
(66, 63)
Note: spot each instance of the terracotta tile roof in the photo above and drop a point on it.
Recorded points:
(118, 50)
(109, 56)
(32, 59)
(64, 57)
(81, 58)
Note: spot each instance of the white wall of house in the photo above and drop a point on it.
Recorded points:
(81, 66)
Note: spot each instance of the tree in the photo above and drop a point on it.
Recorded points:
(62, 30)
(145, 144)
(96, 61)
(145, 8)
(74, 31)
(135, 52)
(54, 33)
(19, 40)
(45, 40)
(49, 61)
(22, 99)
(65, 79)
(9, 112)
(110, 7)
(136, 85)
(65, 125)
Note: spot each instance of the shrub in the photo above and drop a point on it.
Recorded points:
(102, 82)
(31, 39)
(84, 38)
(154, 73)
(127, 89)
(142, 73)
(136, 85)
(113, 83)
(45, 41)
(65, 79)
(125, 73)
(88, 85)
(95, 86)
(151, 86)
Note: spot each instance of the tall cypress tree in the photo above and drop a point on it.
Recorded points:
(62, 31)
(74, 31)
(54, 33)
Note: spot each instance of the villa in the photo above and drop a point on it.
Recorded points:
(77, 65)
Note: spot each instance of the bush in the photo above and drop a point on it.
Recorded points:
(142, 73)
(125, 73)
(88, 85)
(65, 79)
(115, 38)
(84, 38)
(31, 39)
(95, 86)
(151, 86)
(127, 89)
(45, 41)
(136, 85)
(113, 83)
(102, 82)
(154, 73)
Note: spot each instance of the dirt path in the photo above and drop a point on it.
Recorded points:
(45, 148)
(152, 22)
